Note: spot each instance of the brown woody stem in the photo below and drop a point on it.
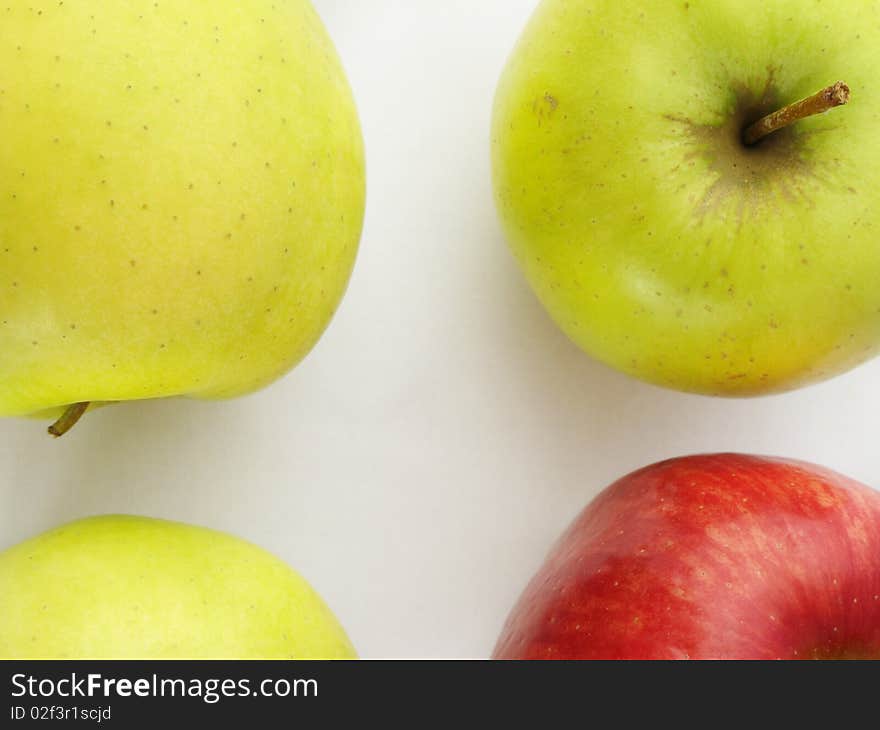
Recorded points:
(836, 95)
(68, 419)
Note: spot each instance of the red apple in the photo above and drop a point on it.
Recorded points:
(721, 556)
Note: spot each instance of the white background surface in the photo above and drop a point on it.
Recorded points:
(420, 462)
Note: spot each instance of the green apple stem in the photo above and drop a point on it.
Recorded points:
(835, 95)
(68, 419)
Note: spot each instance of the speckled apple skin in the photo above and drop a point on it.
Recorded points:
(710, 557)
(133, 587)
(181, 197)
(653, 237)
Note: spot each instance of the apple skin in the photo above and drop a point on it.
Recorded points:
(131, 587)
(710, 557)
(182, 191)
(658, 242)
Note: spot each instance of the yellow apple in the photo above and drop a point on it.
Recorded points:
(662, 237)
(181, 197)
(133, 587)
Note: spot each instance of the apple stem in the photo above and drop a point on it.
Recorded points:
(68, 419)
(835, 95)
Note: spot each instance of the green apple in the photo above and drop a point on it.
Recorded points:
(181, 197)
(133, 587)
(660, 241)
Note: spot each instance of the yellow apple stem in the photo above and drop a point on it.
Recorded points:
(68, 419)
(835, 95)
